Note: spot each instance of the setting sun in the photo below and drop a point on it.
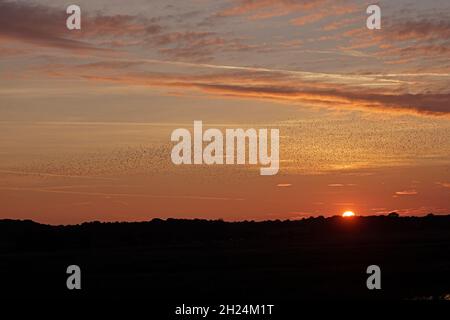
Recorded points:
(348, 214)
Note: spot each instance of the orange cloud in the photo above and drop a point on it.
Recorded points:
(444, 184)
(46, 26)
(324, 12)
(263, 9)
(404, 41)
(303, 89)
(406, 193)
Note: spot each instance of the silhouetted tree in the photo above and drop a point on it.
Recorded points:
(393, 215)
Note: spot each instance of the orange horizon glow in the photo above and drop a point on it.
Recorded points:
(348, 214)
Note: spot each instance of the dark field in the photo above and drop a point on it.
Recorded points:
(187, 260)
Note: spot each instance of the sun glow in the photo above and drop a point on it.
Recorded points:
(347, 214)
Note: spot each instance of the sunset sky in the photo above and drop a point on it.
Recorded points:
(86, 115)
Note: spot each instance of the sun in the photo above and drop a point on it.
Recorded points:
(348, 214)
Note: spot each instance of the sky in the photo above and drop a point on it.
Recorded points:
(86, 115)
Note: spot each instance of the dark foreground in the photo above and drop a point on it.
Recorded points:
(197, 260)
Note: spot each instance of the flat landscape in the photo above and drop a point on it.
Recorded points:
(184, 260)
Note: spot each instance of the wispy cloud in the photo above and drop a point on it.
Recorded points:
(444, 184)
(284, 185)
(306, 89)
(269, 8)
(120, 195)
(46, 26)
(406, 193)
